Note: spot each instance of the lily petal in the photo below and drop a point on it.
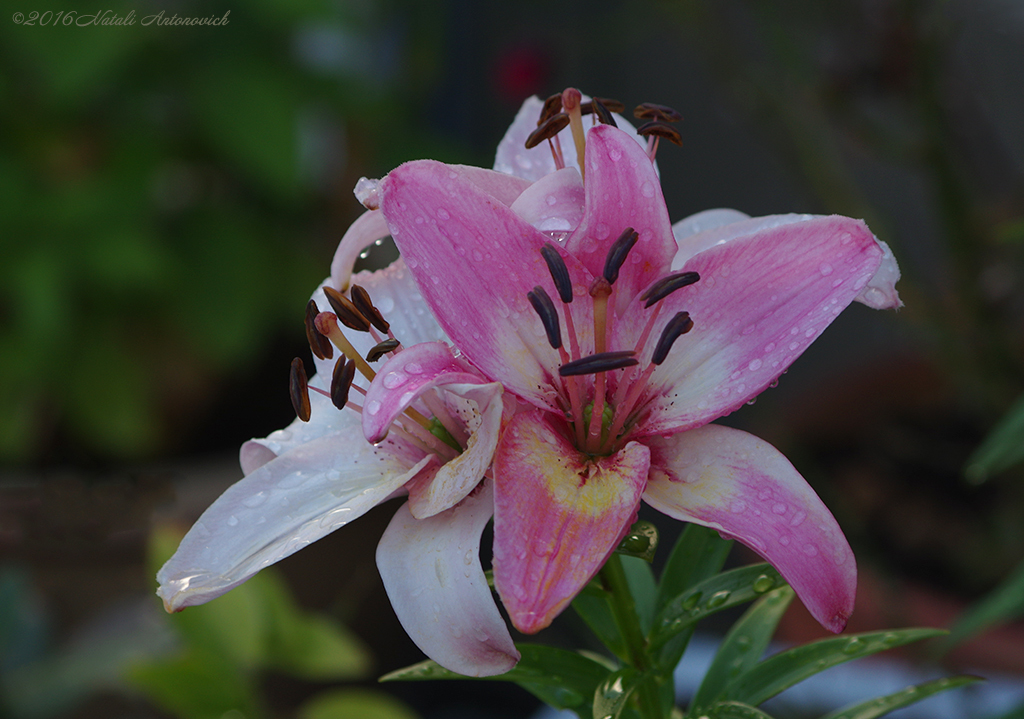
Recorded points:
(558, 514)
(400, 382)
(554, 203)
(289, 502)
(367, 229)
(622, 190)
(740, 485)
(707, 229)
(432, 574)
(475, 261)
(761, 300)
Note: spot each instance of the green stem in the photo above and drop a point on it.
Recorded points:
(613, 576)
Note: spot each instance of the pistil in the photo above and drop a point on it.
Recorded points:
(571, 105)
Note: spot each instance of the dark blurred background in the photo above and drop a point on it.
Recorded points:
(170, 196)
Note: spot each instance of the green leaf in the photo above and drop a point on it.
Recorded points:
(354, 704)
(733, 710)
(613, 693)
(698, 554)
(1003, 604)
(783, 670)
(563, 679)
(1002, 448)
(722, 591)
(883, 705)
(744, 645)
(643, 587)
(593, 605)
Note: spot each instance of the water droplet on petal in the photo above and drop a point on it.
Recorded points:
(394, 379)
(373, 407)
(825, 269)
(232, 521)
(754, 365)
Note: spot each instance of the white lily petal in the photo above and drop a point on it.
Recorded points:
(880, 291)
(432, 574)
(289, 502)
(367, 229)
(706, 220)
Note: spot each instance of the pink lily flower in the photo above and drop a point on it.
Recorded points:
(621, 414)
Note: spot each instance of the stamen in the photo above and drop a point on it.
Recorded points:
(599, 362)
(298, 390)
(346, 311)
(653, 111)
(552, 106)
(667, 285)
(545, 308)
(551, 127)
(599, 290)
(657, 128)
(363, 303)
(559, 272)
(571, 104)
(327, 323)
(678, 325)
(341, 381)
(320, 345)
(608, 103)
(381, 348)
(602, 113)
(618, 252)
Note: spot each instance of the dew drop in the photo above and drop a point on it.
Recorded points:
(615, 154)
(647, 189)
(718, 599)
(825, 269)
(372, 407)
(414, 368)
(779, 508)
(763, 583)
(810, 550)
(853, 646)
(798, 518)
(691, 601)
(754, 365)
(738, 506)
(394, 379)
(478, 255)
(442, 214)
(232, 521)
(784, 540)
(255, 500)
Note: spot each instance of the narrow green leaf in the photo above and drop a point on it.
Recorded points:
(722, 591)
(643, 587)
(783, 670)
(743, 646)
(733, 710)
(883, 705)
(613, 693)
(1004, 603)
(593, 605)
(698, 554)
(563, 679)
(1002, 448)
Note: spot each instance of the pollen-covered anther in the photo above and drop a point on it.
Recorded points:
(382, 348)
(599, 362)
(667, 285)
(545, 308)
(364, 305)
(341, 381)
(320, 345)
(551, 127)
(552, 106)
(298, 390)
(600, 110)
(657, 128)
(654, 111)
(348, 314)
(618, 252)
(608, 103)
(559, 272)
(678, 325)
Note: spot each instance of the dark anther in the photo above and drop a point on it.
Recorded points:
(678, 325)
(600, 362)
(603, 113)
(346, 311)
(298, 390)
(661, 129)
(559, 272)
(321, 346)
(341, 381)
(618, 252)
(667, 285)
(609, 104)
(652, 111)
(361, 299)
(380, 349)
(552, 106)
(548, 316)
(551, 127)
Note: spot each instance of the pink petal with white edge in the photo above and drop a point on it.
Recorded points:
(743, 487)
(716, 227)
(432, 574)
(289, 502)
(557, 515)
(554, 203)
(514, 159)
(760, 302)
(475, 261)
(622, 190)
(404, 379)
